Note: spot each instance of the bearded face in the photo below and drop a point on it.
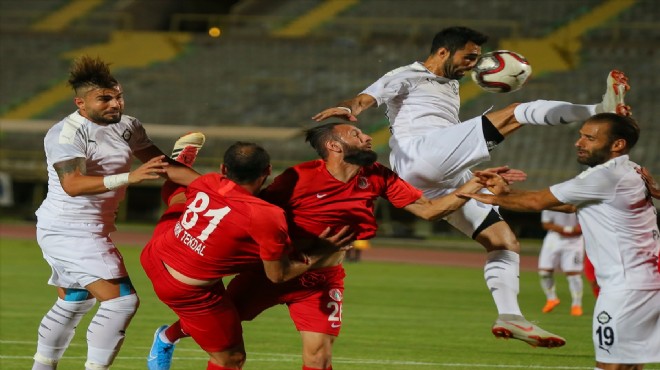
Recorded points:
(361, 157)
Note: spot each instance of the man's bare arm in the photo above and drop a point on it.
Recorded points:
(348, 109)
(520, 201)
(75, 181)
(176, 172)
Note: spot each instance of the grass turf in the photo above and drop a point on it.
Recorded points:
(396, 316)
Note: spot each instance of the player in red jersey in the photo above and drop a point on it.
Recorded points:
(338, 189)
(222, 229)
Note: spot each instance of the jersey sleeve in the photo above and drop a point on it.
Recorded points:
(269, 230)
(139, 139)
(279, 192)
(397, 191)
(391, 85)
(591, 185)
(63, 144)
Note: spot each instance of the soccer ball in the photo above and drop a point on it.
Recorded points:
(501, 71)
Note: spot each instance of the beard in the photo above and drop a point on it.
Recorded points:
(596, 157)
(104, 119)
(450, 71)
(359, 157)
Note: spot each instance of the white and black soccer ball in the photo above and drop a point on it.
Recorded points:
(501, 71)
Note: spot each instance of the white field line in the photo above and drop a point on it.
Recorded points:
(265, 357)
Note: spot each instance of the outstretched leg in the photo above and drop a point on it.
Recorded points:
(548, 112)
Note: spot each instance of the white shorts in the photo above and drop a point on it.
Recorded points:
(626, 327)
(562, 253)
(439, 162)
(79, 257)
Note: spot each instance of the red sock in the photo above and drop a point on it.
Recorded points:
(313, 368)
(212, 366)
(174, 332)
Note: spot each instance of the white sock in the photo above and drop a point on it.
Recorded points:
(107, 330)
(551, 112)
(57, 329)
(575, 285)
(548, 284)
(501, 273)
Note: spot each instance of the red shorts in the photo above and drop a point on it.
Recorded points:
(314, 298)
(205, 313)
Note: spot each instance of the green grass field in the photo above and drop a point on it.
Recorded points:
(396, 316)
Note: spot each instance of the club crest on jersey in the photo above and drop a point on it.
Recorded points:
(127, 135)
(335, 295)
(363, 182)
(604, 318)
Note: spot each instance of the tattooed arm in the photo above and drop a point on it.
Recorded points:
(75, 181)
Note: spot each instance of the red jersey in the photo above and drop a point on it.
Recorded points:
(223, 230)
(313, 199)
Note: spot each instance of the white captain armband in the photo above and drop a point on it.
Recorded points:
(349, 110)
(113, 182)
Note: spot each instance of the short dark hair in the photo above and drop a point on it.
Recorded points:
(88, 72)
(319, 135)
(245, 162)
(621, 127)
(455, 38)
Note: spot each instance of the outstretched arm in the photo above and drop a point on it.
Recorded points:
(495, 179)
(519, 201)
(348, 109)
(75, 181)
(175, 171)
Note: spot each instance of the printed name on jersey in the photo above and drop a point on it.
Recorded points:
(189, 240)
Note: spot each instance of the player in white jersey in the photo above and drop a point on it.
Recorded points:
(434, 151)
(619, 224)
(89, 156)
(563, 247)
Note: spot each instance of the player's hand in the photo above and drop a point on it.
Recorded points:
(494, 182)
(510, 175)
(334, 112)
(340, 241)
(150, 170)
(480, 197)
(651, 184)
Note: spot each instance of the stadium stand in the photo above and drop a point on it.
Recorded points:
(267, 84)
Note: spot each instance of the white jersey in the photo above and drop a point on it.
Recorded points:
(107, 150)
(561, 219)
(619, 224)
(417, 100)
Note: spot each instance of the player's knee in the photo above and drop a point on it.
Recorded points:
(545, 274)
(319, 357)
(230, 359)
(126, 304)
